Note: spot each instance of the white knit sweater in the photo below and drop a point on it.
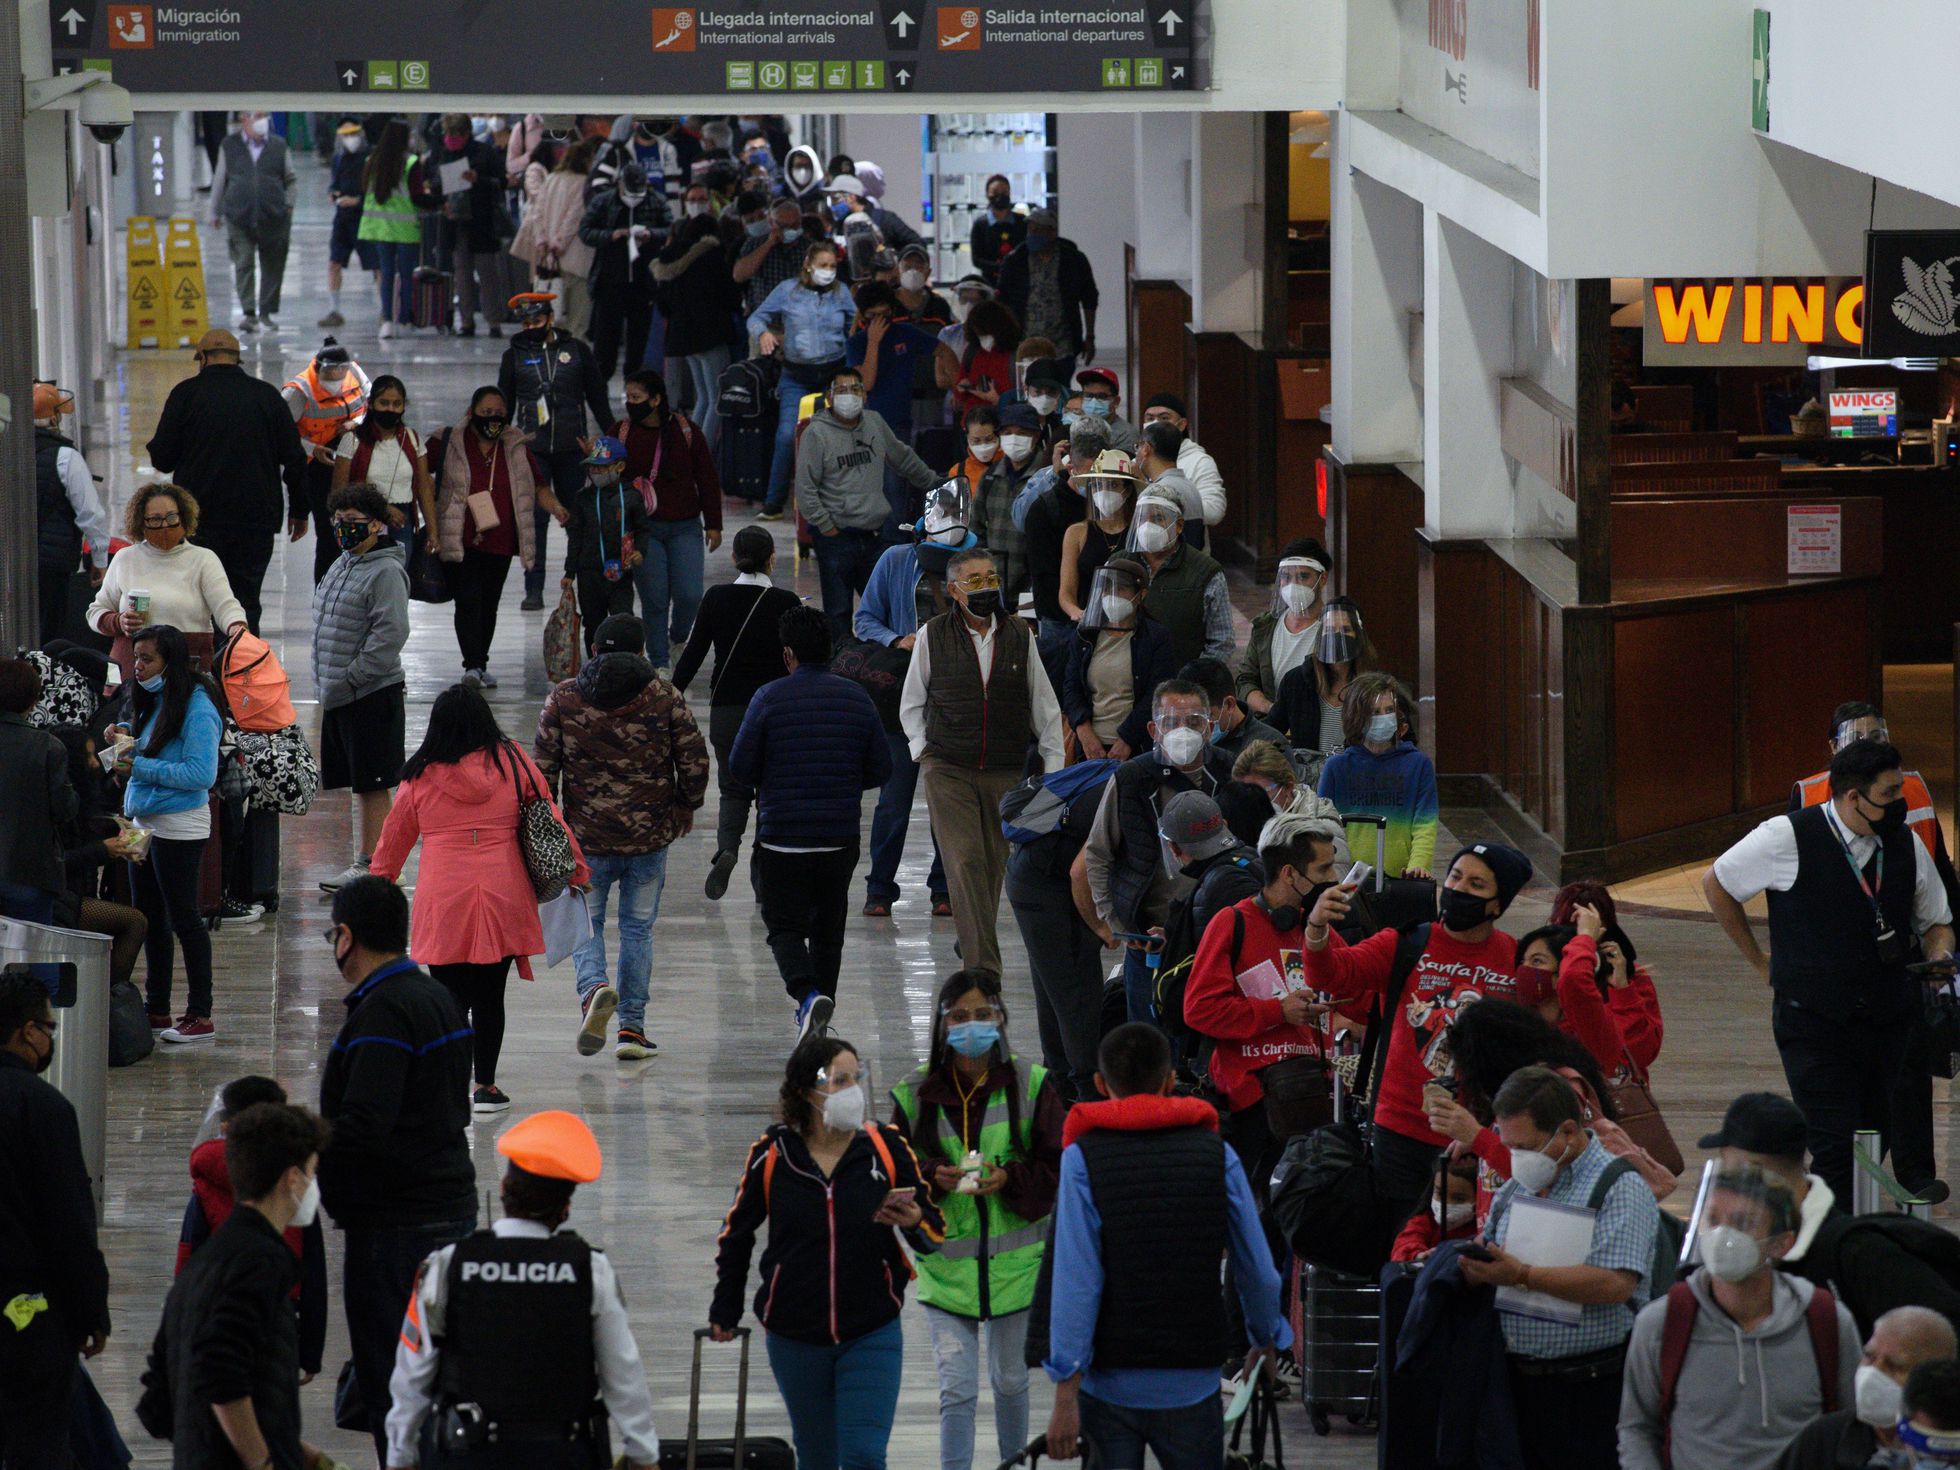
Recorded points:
(187, 586)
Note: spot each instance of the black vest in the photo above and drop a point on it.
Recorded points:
(517, 1334)
(1161, 1196)
(1823, 948)
(59, 539)
(979, 724)
(1177, 600)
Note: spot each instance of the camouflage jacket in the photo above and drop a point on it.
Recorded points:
(625, 753)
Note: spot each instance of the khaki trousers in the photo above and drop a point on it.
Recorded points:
(965, 808)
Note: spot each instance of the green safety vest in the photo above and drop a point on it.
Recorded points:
(991, 1257)
(396, 221)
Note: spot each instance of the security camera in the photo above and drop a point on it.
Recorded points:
(105, 111)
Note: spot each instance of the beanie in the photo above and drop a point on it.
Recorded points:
(1511, 868)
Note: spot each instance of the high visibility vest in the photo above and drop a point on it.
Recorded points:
(991, 1257)
(1920, 813)
(328, 412)
(396, 221)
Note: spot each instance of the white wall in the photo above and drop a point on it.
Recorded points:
(892, 141)
(1483, 98)
(1096, 164)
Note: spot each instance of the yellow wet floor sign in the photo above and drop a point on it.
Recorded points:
(147, 284)
(183, 268)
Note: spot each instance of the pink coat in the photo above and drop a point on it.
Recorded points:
(473, 899)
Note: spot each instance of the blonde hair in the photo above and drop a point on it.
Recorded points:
(155, 490)
(810, 254)
(1264, 759)
(1032, 348)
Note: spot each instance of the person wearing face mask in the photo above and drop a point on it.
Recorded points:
(997, 231)
(1310, 706)
(224, 1370)
(1102, 390)
(1765, 1352)
(184, 583)
(1047, 282)
(696, 294)
(345, 190)
(469, 209)
(1119, 656)
(396, 1176)
(889, 350)
(1107, 486)
(627, 227)
(1558, 970)
(521, 1328)
(1049, 507)
(328, 398)
(1852, 895)
(993, 506)
(1187, 588)
(1466, 958)
(1861, 1432)
(1565, 1374)
(982, 448)
(1233, 728)
(384, 452)
(837, 1191)
(1285, 637)
(1043, 387)
(971, 1098)
(253, 191)
(976, 697)
(604, 536)
(487, 490)
(842, 458)
(54, 1269)
(1452, 1213)
(1381, 772)
(1197, 465)
(918, 303)
(986, 362)
(1154, 457)
(771, 252)
(1268, 768)
(809, 317)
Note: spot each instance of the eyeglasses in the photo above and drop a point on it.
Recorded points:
(982, 1014)
(48, 1026)
(835, 1081)
(161, 523)
(979, 582)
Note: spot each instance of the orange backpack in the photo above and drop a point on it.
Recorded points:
(256, 688)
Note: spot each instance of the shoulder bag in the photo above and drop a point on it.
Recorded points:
(1641, 1117)
(541, 837)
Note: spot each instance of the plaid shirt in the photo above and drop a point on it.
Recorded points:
(779, 265)
(1623, 1240)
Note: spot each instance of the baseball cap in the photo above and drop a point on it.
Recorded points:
(606, 450)
(1193, 823)
(1099, 375)
(1762, 1123)
(1019, 416)
(553, 1145)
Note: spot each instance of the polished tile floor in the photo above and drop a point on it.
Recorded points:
(675, 1128)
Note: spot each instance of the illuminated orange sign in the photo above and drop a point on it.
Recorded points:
(1762, 322)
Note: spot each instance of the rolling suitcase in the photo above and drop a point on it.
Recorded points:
(1394, 903)
(747, 447)
(739, 1453)
(431, 299)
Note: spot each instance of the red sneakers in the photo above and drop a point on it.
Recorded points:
(189, 1028)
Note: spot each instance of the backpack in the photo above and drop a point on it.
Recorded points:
(1669, 1231)
(1682, 1309)
(1180, 953)
(1039, 805)
(747, 389)
(257, 692)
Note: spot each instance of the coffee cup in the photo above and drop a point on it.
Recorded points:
(139, 604)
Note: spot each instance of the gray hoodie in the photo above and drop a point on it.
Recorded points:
(360, 622)
(1742, 1396)
(840, 471)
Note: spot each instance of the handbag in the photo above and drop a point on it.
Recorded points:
(1299, 1096)
(1641, 1117)
(541, 836)
(562, 649)
(349, 1412)
(483, 511)
(428, 580)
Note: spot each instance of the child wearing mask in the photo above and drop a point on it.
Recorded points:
(1452, 1212)
(1381, 772)
(608, 526)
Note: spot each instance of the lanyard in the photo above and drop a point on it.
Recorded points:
(1844, 846)
(599, 521)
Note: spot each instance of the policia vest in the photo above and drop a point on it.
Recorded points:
(991, 1257)
(517, 1339)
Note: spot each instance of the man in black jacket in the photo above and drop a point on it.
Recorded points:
(224, 1375)
(54, 1284)
(397, 1176)
(1047, 282)
(626, 227)
(229, 439)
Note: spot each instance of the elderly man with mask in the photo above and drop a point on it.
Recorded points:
(1155, 461)
(976, 697)
(253, 190)
(1187, 588)
(1861, 1432)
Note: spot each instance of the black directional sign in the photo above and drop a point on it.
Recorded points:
(265, 48)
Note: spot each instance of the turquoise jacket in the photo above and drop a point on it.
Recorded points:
(181, 778)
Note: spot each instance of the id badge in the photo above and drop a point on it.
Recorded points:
(544, 412)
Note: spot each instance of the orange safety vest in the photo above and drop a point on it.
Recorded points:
(1920, 813)
(327, 415)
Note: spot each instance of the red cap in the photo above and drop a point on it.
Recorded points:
(1100, 375)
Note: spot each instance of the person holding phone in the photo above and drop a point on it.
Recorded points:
(987, 363)
(836, 1191)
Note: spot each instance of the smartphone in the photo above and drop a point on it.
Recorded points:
(1356, 875)
(1135, 938)
(1476, 1250)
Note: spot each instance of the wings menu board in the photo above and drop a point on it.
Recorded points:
(262, 49)
(1865, 413)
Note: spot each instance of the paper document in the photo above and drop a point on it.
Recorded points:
(1263, 981)
(453, 181)
(1545, 1234)
(567, 924)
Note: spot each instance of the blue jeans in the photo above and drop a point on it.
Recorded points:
(704, 370)
(844, 564)
(640, 877)
(790, 389)
(956, 1351)
(1188, 1438)
(1140, 984)
(841, 1398)
(397, 263)
(669, 583)
(889, 823)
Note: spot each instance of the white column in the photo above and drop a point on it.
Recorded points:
(1164, 185)
(1467, 349)
(1227, 236)
(1377, 296)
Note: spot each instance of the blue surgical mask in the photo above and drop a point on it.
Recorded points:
(973, 1038)
(1381, 728)
(840, 208)
(757, 228)
(151, 684)
(790, 237)
(1070, 418)
(1096, 408)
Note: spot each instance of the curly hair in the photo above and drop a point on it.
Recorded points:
(800, 1078)
(139, 503)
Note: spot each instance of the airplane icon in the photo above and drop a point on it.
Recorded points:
(947, 43)
(671, 37)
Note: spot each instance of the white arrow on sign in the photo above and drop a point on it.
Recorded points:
(350, 76)
(904, 76)
(1170, 20)
(1176, 72)
(74, 20)
(904, 23)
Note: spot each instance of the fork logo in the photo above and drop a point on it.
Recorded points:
(1928, 305)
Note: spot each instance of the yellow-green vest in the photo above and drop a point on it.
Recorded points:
(395, 222)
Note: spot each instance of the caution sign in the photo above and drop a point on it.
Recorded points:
(183, 267)
(147, 285)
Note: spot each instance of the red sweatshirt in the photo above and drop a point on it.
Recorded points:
(1448, 976)
(1250, 1033)
(1637, 1008)
(1602, 1026)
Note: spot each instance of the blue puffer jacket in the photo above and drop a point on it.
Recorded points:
(810, 745)
(180, 779)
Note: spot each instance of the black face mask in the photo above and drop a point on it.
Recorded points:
(489, 426)
(1000, 202)
(984, 604)
(1462, 910)
(47, 1057)
(1891, 816)
(385, 418)
(350, 536)
(639, 412)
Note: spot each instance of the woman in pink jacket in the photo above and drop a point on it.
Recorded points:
(548, 239)
(474, 910)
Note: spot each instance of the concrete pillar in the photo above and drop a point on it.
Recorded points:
(1227, 228)
(1164, 184)
(1467, 348)
(19, 574)
(1377, 241)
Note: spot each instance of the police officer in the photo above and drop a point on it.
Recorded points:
(1852, 895)
(515, 1335)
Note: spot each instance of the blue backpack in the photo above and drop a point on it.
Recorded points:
(1037, 807)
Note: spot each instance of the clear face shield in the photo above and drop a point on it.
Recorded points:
(862, 245)
(1865, 727)
(948, 513)
(842, 1093)
(1115, 600)
(1297, 588)
(1155, 526)
(1340, 634)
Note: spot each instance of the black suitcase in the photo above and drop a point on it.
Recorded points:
(1394, 903)
(1408, 1403)
(739, 1453)
(747, 447)
(254, 876)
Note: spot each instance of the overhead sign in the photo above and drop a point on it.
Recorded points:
(260, 49)
(1746, 323)
(1471, 71)
(1759, 73)
(1913, 277)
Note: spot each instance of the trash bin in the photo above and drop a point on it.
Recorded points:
(75, 967)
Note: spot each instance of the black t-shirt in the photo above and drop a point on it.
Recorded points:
(748, 654)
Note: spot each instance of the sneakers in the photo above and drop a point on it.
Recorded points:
(188, 1029)
(246, 324)
(160, 1022)
(598, 1011)
(768, 513)
(633, 1046)
(356, 869)
(333, 319)
(487, 679)
(237, 911)
(813, 1015)
(533, 602)
(473, 678)
(718, 871)
(489, 1099)
(387, 331)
